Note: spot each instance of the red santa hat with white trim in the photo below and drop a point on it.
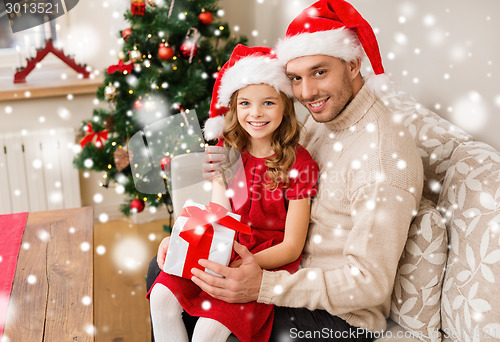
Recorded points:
(246, 66)
(333, 28)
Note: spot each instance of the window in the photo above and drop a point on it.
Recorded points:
(15, 48)
(6, 36)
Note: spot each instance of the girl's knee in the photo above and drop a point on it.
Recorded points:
(209, 330)
(161, 298)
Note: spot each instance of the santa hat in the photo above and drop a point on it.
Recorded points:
(247, 65)
(333, 28)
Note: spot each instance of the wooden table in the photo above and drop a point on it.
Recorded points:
(52, 293)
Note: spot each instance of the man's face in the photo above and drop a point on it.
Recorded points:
(322, 84)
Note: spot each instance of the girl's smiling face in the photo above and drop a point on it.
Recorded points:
(260, 111)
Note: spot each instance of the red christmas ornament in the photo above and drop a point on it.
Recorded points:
(137, 205)
(138, 104)
(206, 18)
(188, 49)
(138, 7)
(165, 52)
(126, 33)
(165, 163)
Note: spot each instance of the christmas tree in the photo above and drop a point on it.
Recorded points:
(171, 54)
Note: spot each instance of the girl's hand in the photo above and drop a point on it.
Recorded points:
(211, 159)
(236, 263)
(162, 252)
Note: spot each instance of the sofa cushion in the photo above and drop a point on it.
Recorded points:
(470, 202)
(416, 299)
(436, 138)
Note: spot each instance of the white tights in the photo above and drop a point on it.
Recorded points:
(166, 315)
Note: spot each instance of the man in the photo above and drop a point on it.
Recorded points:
(370, 186)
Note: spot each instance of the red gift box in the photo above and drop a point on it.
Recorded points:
(201, 232)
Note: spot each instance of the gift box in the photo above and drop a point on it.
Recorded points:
(201, 232)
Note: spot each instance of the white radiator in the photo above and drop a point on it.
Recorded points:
(36, 171)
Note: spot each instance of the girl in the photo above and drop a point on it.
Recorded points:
(254, 94)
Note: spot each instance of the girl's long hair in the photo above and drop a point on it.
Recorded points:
(284, 141)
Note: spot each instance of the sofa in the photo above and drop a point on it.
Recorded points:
(446, 281)
(445, 287)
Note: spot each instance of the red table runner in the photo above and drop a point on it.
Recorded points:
(11, 234)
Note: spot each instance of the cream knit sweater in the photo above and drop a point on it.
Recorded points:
(369, 190)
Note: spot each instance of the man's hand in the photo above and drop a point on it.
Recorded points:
(162, 252)
(211, 159)
(236, 263)
(238, 285)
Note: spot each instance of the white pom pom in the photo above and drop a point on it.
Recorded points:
(380, 85)
(213, 127)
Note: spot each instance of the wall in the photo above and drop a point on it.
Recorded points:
(443, 53)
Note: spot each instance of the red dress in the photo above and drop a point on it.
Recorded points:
(265, 212)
